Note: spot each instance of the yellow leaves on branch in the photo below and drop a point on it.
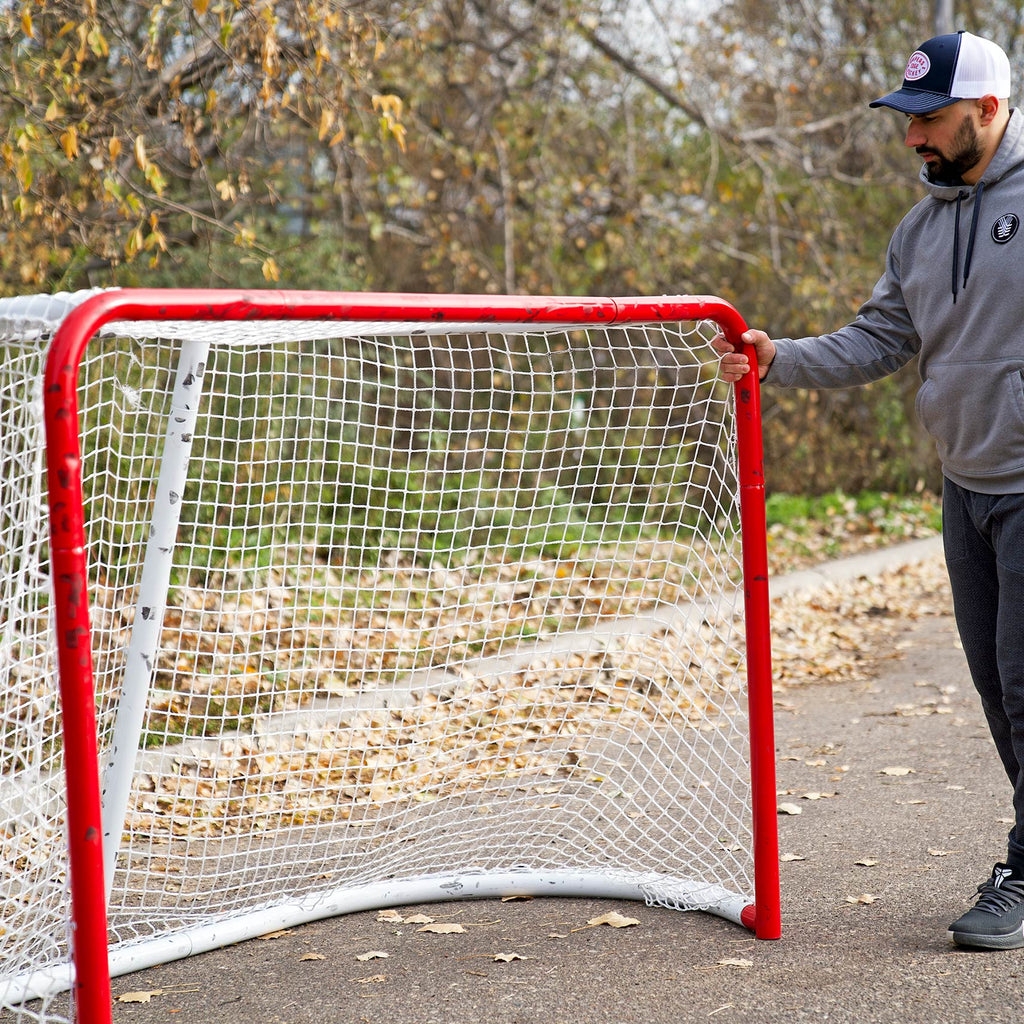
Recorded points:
(140, 241)
(327, 121)
(390, 108)
(151, 172)
(91, 40)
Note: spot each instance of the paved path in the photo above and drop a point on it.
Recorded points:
(903, 812)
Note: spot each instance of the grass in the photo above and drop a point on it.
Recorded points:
(804, 529)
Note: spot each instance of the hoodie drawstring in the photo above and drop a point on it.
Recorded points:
(960, 196)
(956, 245)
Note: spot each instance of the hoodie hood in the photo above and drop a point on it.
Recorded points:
(1005, 159)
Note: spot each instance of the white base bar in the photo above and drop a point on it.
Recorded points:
(126, 959)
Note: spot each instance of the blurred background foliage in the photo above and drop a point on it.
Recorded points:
(547, 146)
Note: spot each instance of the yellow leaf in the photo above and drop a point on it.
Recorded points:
(69, 143)
(26, 23)
(140, 152)
(326, 121)
(53, 111)
(199, 6)
(866, 899)
(443, 929)
(271, 271)
(134, 244)
(139, 997)
(614, 920)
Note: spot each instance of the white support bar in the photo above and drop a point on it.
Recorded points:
(140, 660)
(129, 958)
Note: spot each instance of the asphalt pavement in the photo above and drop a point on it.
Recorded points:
(903, 810)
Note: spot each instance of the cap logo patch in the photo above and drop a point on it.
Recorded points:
(1005, 228)
(918, 66)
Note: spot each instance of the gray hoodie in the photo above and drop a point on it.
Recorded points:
(953, 291)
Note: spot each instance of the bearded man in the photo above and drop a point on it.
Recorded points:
(953, 294)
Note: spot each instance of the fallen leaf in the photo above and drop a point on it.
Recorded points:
(790, 809)
(865, 898)
(735, 962)
(373, 979)
(270, 936)
(419, 919)
(938, 853)
(374, 954)
(390, 917)
(613, 919)
(139, 997)
(787, 857)
(865, 862)
(897, 770)
(443, 929)
(507, 958)
(311, 956)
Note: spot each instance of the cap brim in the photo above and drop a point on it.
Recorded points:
(914, 101)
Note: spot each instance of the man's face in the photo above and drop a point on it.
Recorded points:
(947, 139)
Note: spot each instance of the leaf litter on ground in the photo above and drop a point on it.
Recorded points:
(836, 634)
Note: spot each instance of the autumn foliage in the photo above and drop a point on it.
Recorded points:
(580, 147)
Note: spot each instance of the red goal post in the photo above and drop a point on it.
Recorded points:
(68, 545)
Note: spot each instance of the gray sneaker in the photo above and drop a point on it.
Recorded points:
(996, 921)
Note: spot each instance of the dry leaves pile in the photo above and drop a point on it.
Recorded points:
(241, 646)
(458, 681)
(487, 718)
(839, 632)
(476, 713)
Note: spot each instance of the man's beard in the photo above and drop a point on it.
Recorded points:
(966, 152)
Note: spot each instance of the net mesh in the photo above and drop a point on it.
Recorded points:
(462, 601)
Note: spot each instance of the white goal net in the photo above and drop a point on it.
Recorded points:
(381, 612)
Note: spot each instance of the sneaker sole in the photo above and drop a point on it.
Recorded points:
(1013, 940)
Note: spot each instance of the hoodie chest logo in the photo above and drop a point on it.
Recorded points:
(1005, 228)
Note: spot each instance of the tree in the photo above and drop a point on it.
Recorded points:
(482, 145)
(132, 131)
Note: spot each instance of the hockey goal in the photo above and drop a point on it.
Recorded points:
(357, 600)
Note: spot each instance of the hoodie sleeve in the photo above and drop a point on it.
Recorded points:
(877, 343)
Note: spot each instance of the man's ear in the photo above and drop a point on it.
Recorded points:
(989, 107)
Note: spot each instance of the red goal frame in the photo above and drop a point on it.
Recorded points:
(69, 557)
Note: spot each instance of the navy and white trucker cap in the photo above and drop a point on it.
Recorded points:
(947, 68)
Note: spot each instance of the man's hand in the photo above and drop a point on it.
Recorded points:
(734, 365)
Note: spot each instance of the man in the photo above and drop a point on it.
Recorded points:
(953, 292)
